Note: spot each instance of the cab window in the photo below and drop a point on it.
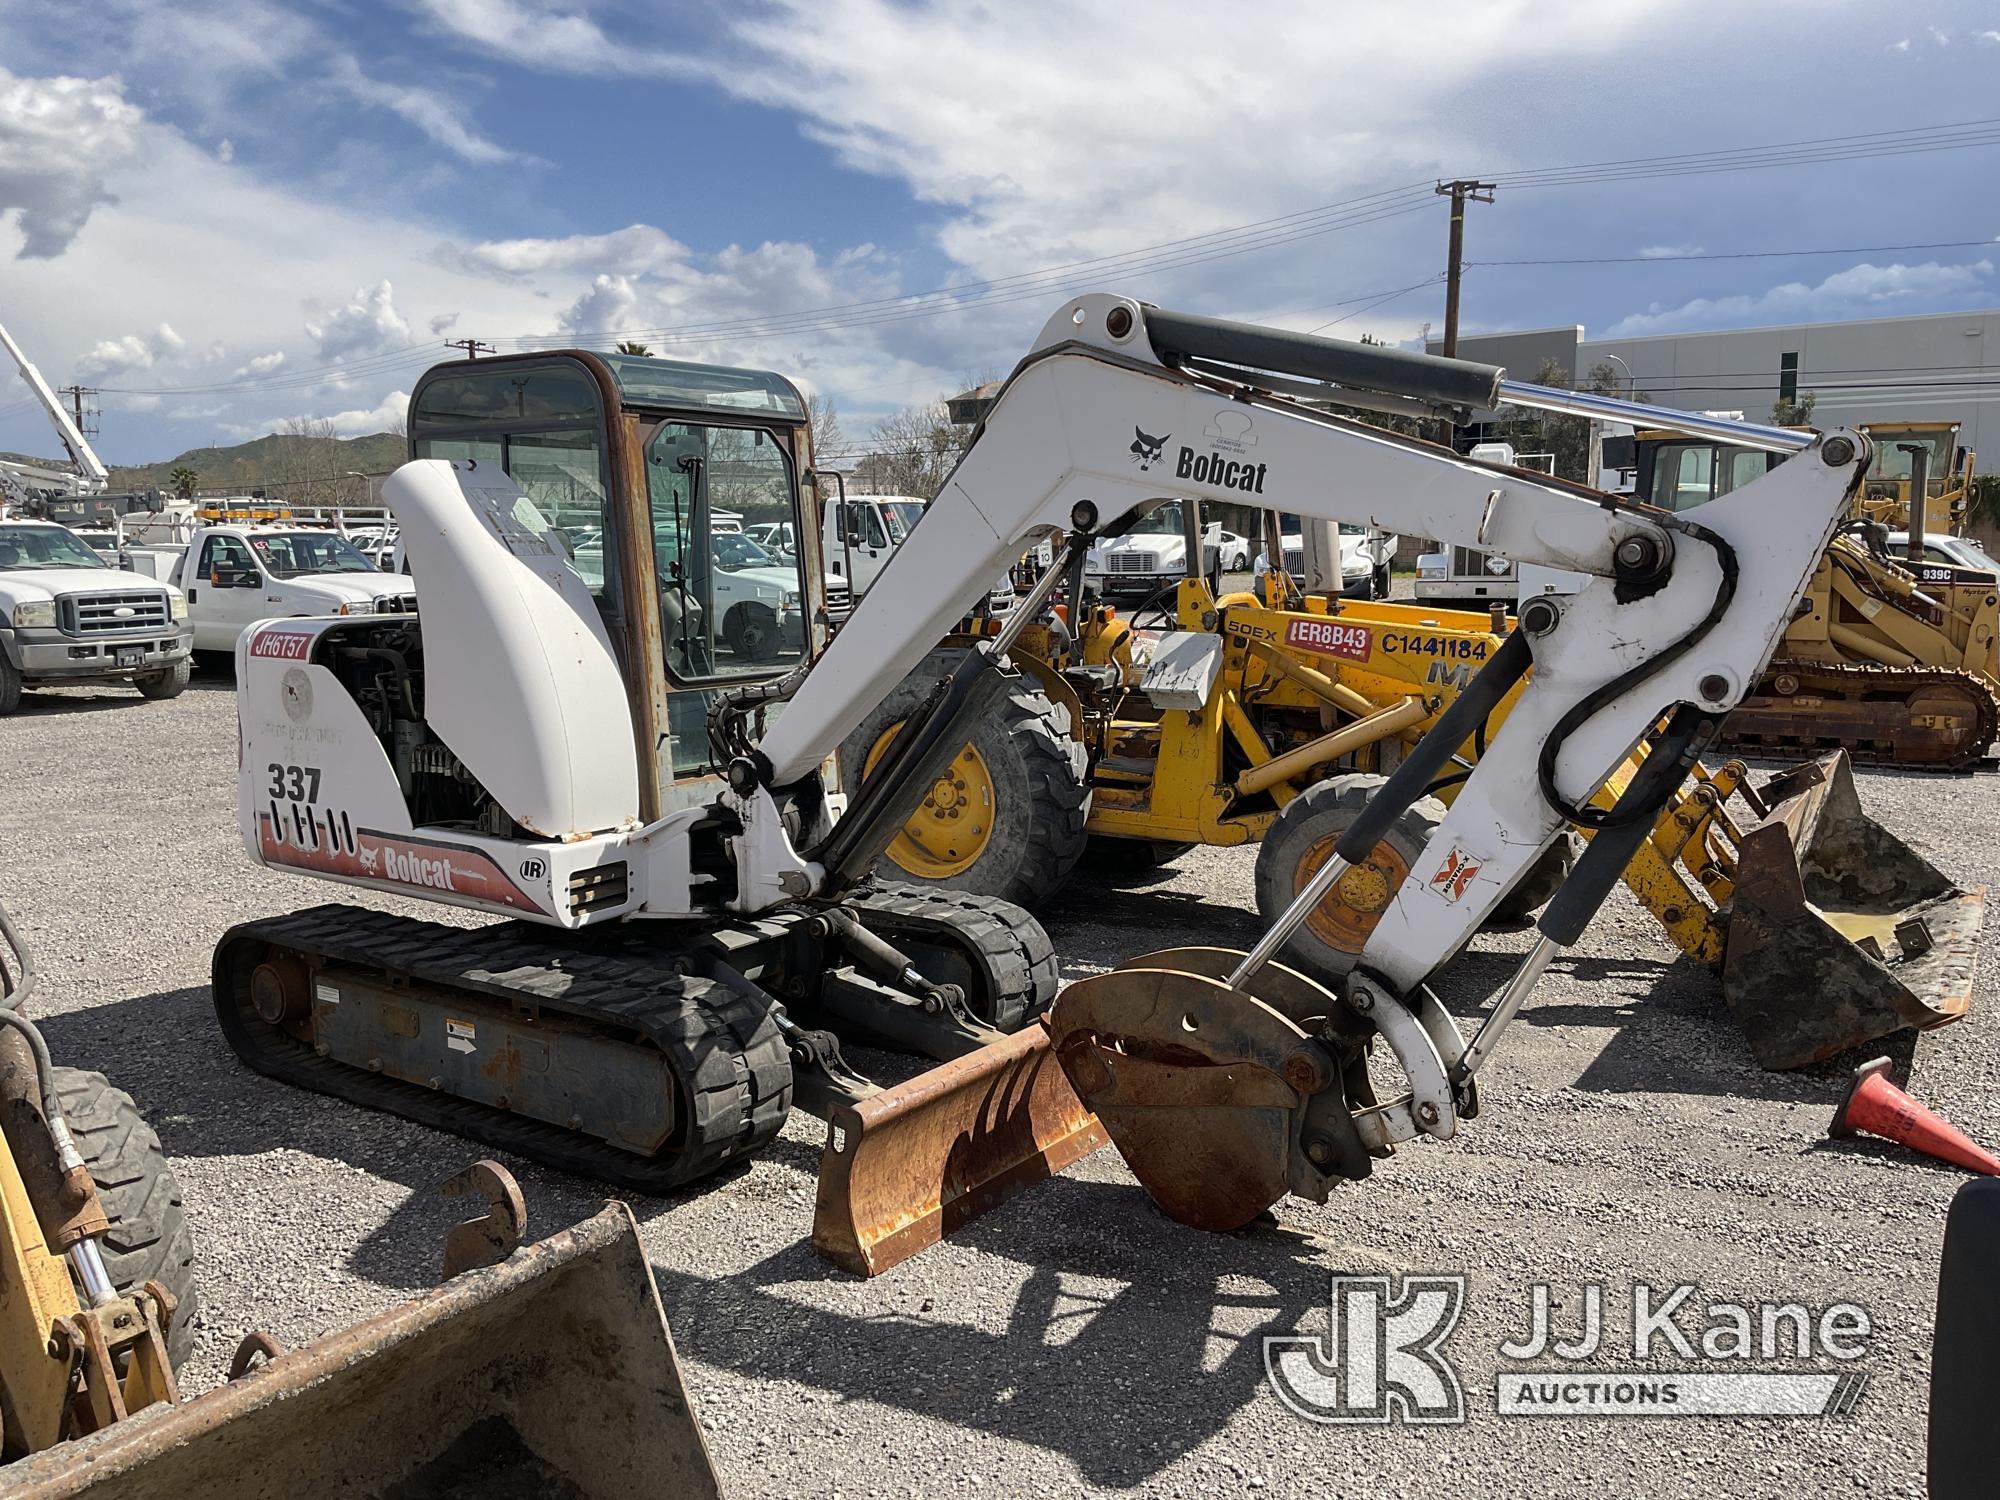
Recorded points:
(545, 429)
(730, 607)
(225, 554)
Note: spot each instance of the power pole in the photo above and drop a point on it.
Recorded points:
(86, 422)
(472, 347)
(1460, 192)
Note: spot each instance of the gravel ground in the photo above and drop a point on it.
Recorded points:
(1074, 1341)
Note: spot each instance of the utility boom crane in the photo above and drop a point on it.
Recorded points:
(482, 755)
(91, 477)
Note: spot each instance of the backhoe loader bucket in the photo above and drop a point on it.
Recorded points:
(907, 1166)
(550, 1375)
(1839, 933)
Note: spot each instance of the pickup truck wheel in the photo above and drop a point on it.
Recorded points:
(1008, 817)
(10, 687)
(168, 684)
(751, 632)
(1329, 942)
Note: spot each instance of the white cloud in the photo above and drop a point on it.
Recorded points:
(1902, 46)
(225, 150)
(387, 416)
(367, 324)
(1859, 291)
(560, 38)
(135, 351)
(433, 114)
(444, 322)
(263, 364)
(1942, 38)
(1989, 36)
(629, 251)
(1668, 252)
(603, 309)
(59, 139)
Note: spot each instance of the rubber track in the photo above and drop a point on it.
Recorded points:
(1741, 731)
(1016, 971)
(727, 1057)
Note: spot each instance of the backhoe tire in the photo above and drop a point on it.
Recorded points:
(10, 686)
(149, 1238)
(160, 686)
(1022, 798)
(1544, 878)
(1329, 942)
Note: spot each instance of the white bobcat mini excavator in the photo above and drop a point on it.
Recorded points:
(565, 735)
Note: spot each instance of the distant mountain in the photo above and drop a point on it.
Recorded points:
(267, 462)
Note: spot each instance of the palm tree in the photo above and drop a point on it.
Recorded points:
(626, 346)
(183, 480)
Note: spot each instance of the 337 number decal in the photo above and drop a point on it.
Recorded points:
(294, 783)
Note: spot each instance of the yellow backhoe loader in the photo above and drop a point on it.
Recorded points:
(545, 1371)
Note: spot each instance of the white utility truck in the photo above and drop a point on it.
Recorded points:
(65, 618)
(238, 573)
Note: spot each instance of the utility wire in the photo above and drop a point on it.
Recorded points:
(1191, 250)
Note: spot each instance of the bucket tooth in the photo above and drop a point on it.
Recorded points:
(908, 1165)
(1840, 933)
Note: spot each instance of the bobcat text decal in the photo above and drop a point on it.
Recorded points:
(312, 839)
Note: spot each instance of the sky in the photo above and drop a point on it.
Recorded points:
(227, 213)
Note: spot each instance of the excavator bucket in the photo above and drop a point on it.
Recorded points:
(1839, 933)
(549, 1375)
(905, 1167)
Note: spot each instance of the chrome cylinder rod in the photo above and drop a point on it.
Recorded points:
(1639, 414)
(88, 1264)
(1323, 881)
(1480, 1048)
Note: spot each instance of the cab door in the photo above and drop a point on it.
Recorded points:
(226, 593)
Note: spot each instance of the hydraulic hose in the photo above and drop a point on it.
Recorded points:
(23, 985)
(1630, 808)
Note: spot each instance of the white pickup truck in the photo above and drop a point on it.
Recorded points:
(67, 618)
(236, 574)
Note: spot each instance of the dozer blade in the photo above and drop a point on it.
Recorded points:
(907, 1166)
(1839, 933)
(551, 1375)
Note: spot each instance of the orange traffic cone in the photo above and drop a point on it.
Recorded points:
(1875, 1105)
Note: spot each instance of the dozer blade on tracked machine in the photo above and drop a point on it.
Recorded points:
(907, 1165)
(548, 1376)
(1839, 933)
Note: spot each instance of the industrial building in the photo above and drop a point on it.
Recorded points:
(1933, 368)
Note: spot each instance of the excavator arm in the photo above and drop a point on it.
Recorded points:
(1120, 406)
(1225, 1079)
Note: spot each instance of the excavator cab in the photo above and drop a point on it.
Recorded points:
(651, 473)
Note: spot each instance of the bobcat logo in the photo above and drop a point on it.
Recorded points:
(1146, 449)
(367, 854)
